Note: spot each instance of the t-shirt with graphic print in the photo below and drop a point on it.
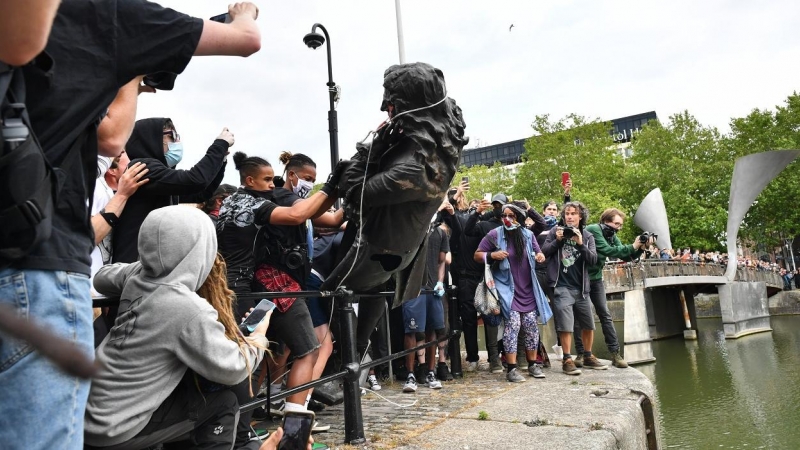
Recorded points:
(571, 268)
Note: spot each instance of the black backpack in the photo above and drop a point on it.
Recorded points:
(27, 181)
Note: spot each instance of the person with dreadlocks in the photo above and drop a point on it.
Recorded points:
(513, 252)
(166, 337)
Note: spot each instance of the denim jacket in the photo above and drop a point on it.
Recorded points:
(504, 280)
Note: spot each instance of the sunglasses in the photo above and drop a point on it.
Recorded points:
(173, 134)
(509, 216)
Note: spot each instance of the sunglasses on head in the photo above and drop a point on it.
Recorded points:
(173, 134)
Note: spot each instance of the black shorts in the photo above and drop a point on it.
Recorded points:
(294, 329)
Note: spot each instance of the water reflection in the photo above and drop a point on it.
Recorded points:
(729, 394)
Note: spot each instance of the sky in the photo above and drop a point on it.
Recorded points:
(600, 59)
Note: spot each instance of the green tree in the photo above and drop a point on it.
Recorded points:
(692, 167)
(573, 144)
(774, 215)
(486, 180)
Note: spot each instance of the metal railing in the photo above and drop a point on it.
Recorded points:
(621, 276)
(351, 363)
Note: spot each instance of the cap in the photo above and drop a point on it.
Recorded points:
(500, 198)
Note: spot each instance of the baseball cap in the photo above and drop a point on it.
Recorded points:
(500, 198)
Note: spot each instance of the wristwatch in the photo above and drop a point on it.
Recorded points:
(110, 217)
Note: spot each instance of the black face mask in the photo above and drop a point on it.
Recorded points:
(608, 232)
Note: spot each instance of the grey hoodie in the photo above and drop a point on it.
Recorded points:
(162, 329)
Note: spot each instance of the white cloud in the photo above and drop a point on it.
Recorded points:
(717, 59)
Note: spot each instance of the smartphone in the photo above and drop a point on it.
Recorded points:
(465, 179)
(256, 316)
(487, 197)
(564, 178)
(222, 18)
(296, 430)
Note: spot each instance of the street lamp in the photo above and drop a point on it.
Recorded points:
(315, 40)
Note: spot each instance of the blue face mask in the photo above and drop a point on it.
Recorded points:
(550, 221)
(174, 153)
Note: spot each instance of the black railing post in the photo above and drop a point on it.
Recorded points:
(454, 346)
(353, 418)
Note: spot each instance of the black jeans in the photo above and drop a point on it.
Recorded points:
(597, 293)
(208, 420)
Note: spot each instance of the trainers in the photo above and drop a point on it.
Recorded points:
(591, 362)
(432, 382)
(472, 366)
(514, 377)
(568, 366)
(617, 361)
(495, 366)
(535, 370)
(411, 384)
(443, 373)
(276, 408)
(372, 380)
(558, 351)
(319, 428)
(579, 360)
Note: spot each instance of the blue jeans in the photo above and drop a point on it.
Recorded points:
(40, 406)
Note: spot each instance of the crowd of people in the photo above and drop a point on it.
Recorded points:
(184, 253)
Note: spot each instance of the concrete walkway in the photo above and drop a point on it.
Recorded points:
(596, 410)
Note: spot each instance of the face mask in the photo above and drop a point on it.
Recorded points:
(509, 224)
(303, 188)
(174, 153)
(550, 221)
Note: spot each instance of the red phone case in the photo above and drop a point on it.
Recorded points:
(564, 178)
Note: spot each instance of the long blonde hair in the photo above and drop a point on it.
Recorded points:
(216, 292)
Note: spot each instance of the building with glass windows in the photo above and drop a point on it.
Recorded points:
(509, 153)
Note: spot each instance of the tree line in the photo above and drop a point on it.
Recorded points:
(690, 162)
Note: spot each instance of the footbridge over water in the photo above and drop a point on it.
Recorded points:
(659, 300)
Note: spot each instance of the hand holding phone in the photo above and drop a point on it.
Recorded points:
(296, 430)
(564, 179)
(221, 18)
(256, 316)
(488, 197)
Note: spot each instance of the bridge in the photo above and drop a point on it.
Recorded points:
(659, 300)
(620, 277)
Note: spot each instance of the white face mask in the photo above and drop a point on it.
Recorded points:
(303, 188)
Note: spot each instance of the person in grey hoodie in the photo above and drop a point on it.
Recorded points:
(146, 391)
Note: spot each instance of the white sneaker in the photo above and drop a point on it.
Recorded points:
(411, 384)
(319, 428)
(558, 351)
(471, 366)
(372, 380)
(432, 382)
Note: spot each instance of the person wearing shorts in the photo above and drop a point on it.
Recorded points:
(426, 313)
(570, 251)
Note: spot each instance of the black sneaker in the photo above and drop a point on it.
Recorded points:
(315, 406)
(443, 373)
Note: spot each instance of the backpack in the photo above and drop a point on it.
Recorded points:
(27, 181)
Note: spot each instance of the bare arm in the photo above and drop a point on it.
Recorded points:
(330, 220)
(298, 212)
(440, 273)
(116, 127)
(128, 184)
(24, 29)
(241, 37)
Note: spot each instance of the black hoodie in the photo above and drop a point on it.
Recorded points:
(166, 187)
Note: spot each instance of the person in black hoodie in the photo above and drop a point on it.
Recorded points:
(156, 143)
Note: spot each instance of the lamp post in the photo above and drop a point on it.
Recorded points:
(314, 40)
